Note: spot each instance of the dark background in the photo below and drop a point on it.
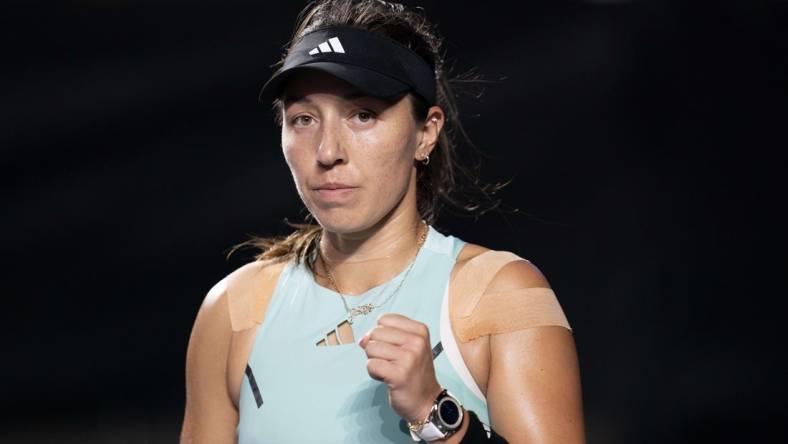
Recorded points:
(645, 141)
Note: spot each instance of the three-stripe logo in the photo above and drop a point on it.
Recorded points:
(330, 45)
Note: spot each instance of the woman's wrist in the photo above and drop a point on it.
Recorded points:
(427, 407)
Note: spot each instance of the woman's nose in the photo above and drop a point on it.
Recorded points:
(331, 151)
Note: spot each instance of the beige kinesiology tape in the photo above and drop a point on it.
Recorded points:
(476, 312)
(249, 290)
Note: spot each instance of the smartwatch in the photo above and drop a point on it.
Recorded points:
(444, 418)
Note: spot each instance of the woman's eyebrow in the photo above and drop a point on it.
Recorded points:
(352, 95)
(287, 100)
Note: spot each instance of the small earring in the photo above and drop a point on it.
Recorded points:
(426, 160)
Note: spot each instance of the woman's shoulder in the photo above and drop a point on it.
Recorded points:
(235, 298)
(497, 292)
(252, 274)
(502, 270)
(248, 289)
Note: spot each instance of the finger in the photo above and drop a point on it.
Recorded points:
(380, 369)
(383, 350)
(404, 323)
(391, 335)
(364, 339)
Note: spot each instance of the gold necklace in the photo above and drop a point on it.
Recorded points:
(365, 309)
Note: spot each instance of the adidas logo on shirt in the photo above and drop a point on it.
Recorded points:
(330, 45)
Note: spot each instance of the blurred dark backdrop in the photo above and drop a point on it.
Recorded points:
(645, 141)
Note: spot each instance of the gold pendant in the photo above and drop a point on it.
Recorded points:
(360, 310)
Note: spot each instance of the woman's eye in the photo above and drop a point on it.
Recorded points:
(364, 116)
(302, 120)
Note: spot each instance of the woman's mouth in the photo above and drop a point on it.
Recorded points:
(334, 192)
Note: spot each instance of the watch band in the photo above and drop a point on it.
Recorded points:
(429, 432)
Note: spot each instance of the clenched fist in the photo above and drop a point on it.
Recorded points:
(399, 354)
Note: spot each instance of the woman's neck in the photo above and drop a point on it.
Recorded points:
(396, 232)
(362, 260)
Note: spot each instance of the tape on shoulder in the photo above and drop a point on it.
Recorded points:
(474, 312)
(249, 290)
(511, 310)
(471, 281)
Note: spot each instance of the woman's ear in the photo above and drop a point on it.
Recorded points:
(430, 132)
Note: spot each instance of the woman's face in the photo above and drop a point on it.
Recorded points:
(351, 156)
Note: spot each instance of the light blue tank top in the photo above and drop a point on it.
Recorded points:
(297, 392)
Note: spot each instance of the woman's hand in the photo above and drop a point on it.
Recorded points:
(399, 354)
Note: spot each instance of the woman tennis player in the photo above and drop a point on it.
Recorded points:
(370, 326)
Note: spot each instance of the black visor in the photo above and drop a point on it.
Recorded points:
(375, 64)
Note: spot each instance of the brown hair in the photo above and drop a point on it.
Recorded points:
(441, 183)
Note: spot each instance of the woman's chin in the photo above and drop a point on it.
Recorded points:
(341, 221)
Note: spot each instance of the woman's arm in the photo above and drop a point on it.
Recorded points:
(533, 390)
(211, 416)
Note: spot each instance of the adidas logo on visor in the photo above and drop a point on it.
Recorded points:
(330, 45)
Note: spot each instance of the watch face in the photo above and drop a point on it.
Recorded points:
(449, 412)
